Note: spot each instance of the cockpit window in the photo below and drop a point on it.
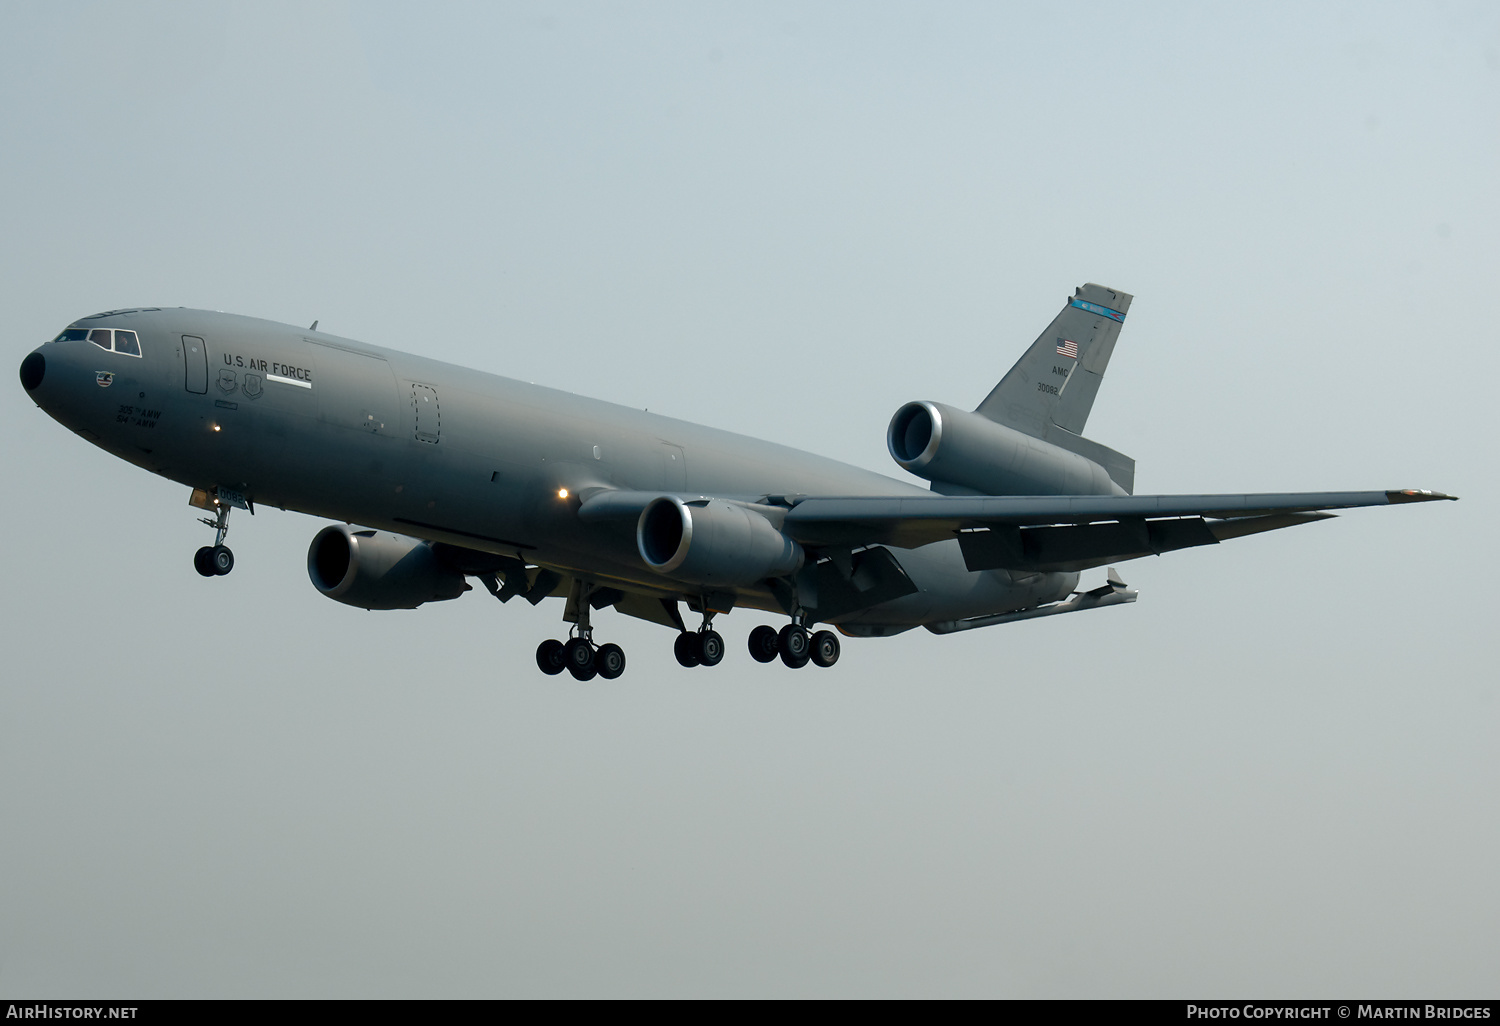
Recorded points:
(118, 340)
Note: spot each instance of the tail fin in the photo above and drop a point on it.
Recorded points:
(1049, 392)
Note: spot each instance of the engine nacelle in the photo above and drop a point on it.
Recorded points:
(955, 447)
(711, 541)
(377, 570)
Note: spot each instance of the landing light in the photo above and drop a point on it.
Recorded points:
(562, 493)
(216, 427)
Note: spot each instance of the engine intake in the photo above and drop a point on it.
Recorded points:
(953, 447)
(713, 541)
(377, 570)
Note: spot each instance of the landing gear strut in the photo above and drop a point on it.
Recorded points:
(215, 560)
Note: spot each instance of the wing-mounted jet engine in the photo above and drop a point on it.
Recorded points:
(713, 542)
(378, 570)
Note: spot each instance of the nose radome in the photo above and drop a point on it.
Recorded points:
(33, 369)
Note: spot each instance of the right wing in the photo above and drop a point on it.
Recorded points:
(1068, 532)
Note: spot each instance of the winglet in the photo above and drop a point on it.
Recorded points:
(1416, 495)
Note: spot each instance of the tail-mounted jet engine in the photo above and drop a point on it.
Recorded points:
(711, 541)
(376, 570)
(953, 447)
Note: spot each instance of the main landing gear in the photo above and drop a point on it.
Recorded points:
(581, 658)
(794, 645)
(703, 647)
(579, 655)
(215, 560)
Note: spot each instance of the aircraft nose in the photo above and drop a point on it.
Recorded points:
(33, 369)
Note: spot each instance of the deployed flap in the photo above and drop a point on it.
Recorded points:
(1056, 381)
(1081, 546)
(866, 579)
(652, 609)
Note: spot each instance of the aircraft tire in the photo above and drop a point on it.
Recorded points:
(763, 644)
(825, 648)
(686, 649)
(550, 657)
(711, 648)
(795, 646)
(203, 561)
(223, 559)
(579, 655)
(610, 660)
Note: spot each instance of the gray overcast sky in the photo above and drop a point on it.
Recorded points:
(1275, 775)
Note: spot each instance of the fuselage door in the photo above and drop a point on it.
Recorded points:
(673, 467)
(426, 419)
(194, 364)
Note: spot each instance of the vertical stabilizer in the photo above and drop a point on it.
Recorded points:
(1057, 379)
(1049, 392)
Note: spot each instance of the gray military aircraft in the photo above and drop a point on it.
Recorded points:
(534, 492)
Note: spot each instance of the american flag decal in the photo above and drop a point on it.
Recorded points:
(1068, 349)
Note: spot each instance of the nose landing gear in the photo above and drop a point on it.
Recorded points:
(215, 560)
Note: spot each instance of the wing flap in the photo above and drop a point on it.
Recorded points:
(1082, 546)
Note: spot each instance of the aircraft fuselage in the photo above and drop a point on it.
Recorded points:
(307, 421)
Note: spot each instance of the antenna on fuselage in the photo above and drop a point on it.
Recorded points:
(314, 326)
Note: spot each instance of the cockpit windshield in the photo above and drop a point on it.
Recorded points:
(115, 340)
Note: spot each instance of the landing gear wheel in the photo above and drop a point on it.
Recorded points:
(550, 657)
(610, 660)
(795, 646)
(710, 647)
(763, 644)
(203, 561)
(579, 655)
(825, 648)
(222, 559)
(686, 649)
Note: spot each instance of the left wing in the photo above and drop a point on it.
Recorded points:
(1067, 532)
